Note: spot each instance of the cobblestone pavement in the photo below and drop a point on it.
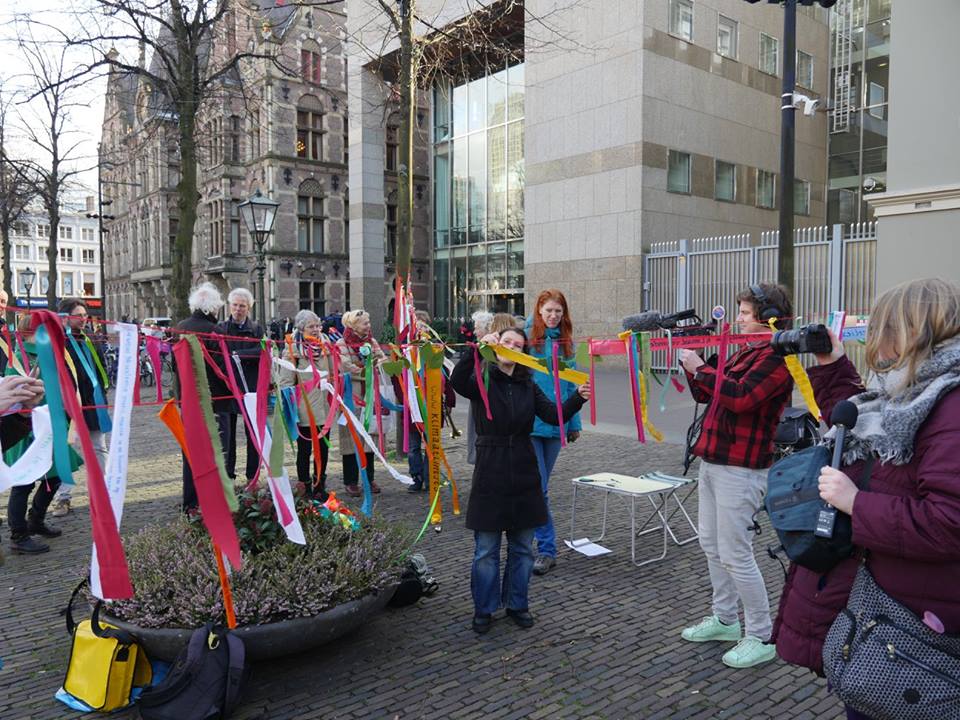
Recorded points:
(606, 643)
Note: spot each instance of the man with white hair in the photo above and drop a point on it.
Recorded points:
(244, 343)
(205, 303)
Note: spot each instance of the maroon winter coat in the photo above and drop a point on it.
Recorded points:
(909, 520)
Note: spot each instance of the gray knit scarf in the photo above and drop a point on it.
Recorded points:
(888, 419)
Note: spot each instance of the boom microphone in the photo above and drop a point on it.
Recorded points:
(843, 417)
(643, 322)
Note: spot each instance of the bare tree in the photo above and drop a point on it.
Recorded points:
(188, 68)
(17, 184)
(46, 124)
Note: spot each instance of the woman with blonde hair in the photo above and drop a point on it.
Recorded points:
(907, 519)
(356, 345)
(305, 353)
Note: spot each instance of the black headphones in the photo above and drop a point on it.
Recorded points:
(767, 310)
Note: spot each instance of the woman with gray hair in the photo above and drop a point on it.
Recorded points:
(356, 345)
(205, 303)
(308, 342)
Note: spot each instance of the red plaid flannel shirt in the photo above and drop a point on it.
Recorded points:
(756, 387)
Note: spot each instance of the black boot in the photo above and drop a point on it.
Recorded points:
(36, 526)
(417, 485)
(26, 545)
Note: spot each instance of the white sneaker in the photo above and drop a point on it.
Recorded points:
(62, 508)
(749, 652)
(709, 629)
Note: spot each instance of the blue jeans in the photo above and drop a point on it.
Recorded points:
(547, 450)
(418, 464)
(488, 594)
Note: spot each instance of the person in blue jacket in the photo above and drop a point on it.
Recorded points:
(550, 324)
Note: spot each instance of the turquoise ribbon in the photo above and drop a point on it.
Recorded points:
(103, 417)
(58, 416)
(291, 416)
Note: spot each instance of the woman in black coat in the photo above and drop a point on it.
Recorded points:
(506, 494)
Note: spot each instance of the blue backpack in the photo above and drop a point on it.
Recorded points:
(793, 503)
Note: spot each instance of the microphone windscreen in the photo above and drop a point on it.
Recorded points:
(844, 413)
(643, 322)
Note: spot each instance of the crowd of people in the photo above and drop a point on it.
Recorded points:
(905, 521)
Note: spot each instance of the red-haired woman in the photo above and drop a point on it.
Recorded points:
(550, 325)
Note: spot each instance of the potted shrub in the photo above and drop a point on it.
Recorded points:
(287, 597)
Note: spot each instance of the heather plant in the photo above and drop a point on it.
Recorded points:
(175, 582)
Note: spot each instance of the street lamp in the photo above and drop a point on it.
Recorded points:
(258, 214)
(27, 276)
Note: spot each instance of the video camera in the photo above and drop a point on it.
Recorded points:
(807, 339)
(685, 323)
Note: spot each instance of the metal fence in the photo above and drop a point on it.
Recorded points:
(835, 269)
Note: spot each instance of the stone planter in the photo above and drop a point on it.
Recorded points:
(265, 642)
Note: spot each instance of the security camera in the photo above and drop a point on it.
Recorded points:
(810, 106)
(869, 184)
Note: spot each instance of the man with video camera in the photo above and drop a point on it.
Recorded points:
(736, 448)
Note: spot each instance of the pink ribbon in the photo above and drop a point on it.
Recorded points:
(593, 388)
(721, 366)
(153, 351)
(478, 374)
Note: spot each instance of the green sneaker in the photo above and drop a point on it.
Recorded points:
(709, 629)
(749, 652)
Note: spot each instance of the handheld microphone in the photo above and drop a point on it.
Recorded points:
(843, 417)
(648, 321)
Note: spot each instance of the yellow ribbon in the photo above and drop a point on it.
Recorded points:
(800, 378)
(657, 435)
(574, 376)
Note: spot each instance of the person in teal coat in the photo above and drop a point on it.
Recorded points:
(550, 324)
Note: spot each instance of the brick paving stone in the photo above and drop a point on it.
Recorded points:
(606, 644)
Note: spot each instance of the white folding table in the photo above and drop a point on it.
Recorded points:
(658, 488)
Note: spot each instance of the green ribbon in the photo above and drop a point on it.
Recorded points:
(103, 417)
(96, 359)
(368, 394)
(58, 416)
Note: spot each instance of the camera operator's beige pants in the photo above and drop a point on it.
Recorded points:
(729, 496)
(99, 441)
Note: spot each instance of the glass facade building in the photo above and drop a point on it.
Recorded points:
(478, 176)
(859, 92)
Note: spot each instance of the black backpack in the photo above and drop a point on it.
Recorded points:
(793, 503)
(204, 682)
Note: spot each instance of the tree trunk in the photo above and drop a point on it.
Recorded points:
(408, 62)
(7, 272)
(53, 212)
(182, 250)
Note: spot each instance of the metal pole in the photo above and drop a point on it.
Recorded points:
(261, 271)
(787, 117)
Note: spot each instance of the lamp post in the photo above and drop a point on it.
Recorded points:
(27, 277)
(258, 214)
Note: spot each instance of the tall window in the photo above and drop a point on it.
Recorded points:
(310, 63)
(65, 232)
(766, 189)
(681, 19)
(725, 181)
(804, 69)
(43, 231)
(801, 197)
(678, 172)
(393, 148)
(769, 54)
(88, 257)
(236, 238)
(20, 228)
(89, 284)
(312, 296)
(391, 229)
(726, 37)
(66, 254)
(44, 282)
(310, 217)
(86, 234)
(310, 128)
(66, 282)
(233, 149)
(22, 252)
(216, 228)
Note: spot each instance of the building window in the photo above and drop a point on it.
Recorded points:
(88, 257)
(312, 296)
(678, 172)
(236, 239)
(310, 223)
(769, 54)
(393, 148)
(89, 285)
(725, 181)
(216, 228)
(86, 234)
(801, 197)
(681, 19)
(804, 69)
(21, 252)
(310, 64)
(876, 98)
(310, 134)
(66, 282)
(21, 286)
(766, 189)
(20, 229)
(41, 252)
(44, 282)
(65, 232)
(391, 230)
(727, 37)
(66, 254)
(233, 149)
(43, 231)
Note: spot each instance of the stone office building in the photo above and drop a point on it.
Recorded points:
(283, 134)
(621, 124)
